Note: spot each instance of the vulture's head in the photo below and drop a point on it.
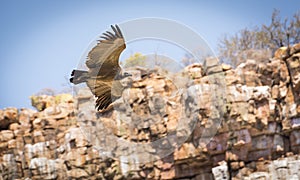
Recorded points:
(122, 75)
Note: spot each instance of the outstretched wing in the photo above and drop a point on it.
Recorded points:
(103, 64)
(103, 59)
(105, 91)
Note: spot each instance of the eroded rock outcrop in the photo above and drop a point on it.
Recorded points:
(208, 122)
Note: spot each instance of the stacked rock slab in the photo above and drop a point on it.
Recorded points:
(245, 124)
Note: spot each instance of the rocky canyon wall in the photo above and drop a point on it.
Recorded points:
(209, 121)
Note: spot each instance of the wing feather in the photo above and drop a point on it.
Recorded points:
(103, 64)
(106, 38)
(107, 51)
(111, 34)
(102, 91)
(119, 31)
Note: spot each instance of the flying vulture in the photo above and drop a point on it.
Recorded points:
(104, 72)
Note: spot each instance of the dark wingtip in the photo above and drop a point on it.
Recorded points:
(71, 80)
(112, 27)
(119, 31)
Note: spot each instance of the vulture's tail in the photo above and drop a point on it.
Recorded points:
(78, 76)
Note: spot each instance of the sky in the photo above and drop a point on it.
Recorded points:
(42, 41)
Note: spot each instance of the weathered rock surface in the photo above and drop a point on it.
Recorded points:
(208, 122)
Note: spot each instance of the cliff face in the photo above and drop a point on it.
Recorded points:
(241, 123)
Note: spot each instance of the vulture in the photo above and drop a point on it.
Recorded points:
(104, 72)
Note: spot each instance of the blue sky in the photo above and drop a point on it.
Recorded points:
(42, 41)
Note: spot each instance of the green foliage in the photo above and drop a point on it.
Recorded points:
(137, 59)
(260, 42)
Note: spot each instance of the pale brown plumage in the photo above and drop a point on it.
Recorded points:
(104, 71)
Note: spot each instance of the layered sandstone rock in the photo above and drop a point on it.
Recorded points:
(209, 121)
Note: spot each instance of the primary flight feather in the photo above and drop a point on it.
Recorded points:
(104, 72)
